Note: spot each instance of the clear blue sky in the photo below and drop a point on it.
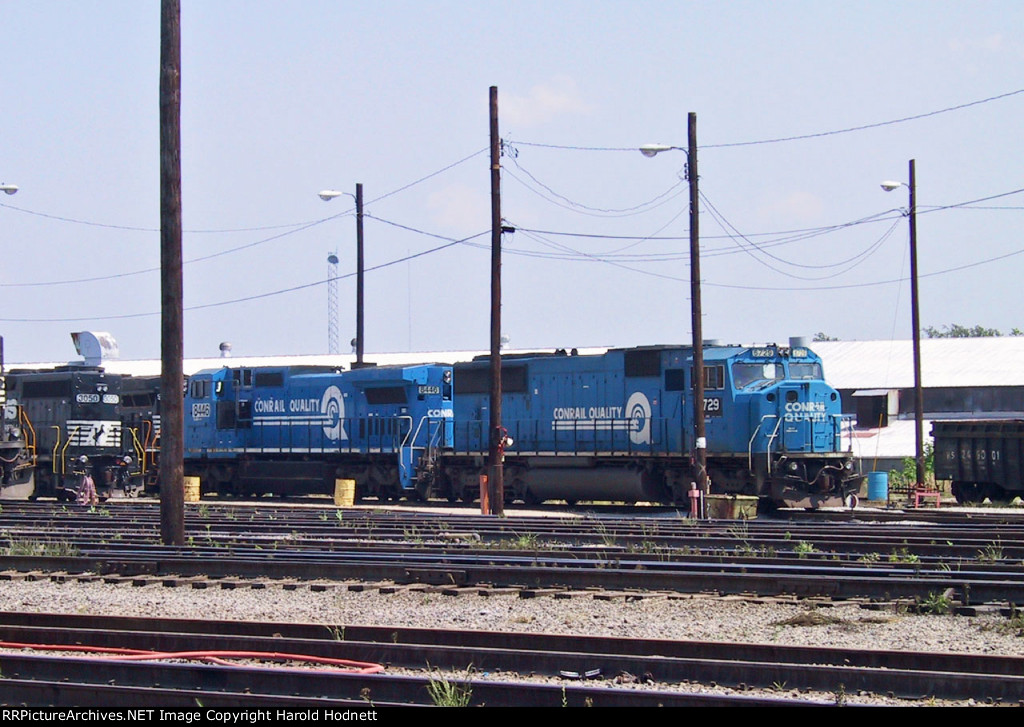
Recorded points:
(280, 100)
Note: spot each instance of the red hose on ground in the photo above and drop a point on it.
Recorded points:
(214, 657)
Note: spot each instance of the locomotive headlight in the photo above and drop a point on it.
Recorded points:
(848, 466)
(793, 466)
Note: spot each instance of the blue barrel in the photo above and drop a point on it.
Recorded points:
(878, 485)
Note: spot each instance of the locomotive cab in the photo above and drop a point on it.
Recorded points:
(795, 420)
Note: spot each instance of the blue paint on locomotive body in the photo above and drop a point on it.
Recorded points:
(638, 402)
(389, 416)
(764, 406)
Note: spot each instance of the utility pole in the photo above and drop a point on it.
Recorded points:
(700, 440)
(359, 274)
(916, 318)
(495, 478)
(172, 395)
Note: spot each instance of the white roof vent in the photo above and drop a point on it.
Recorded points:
(95, 347)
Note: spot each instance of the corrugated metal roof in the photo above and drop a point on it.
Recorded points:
(896, 440)
(945, 362)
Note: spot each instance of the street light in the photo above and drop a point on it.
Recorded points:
(8, 188)
(327, 195)
(890, 186)
(699, 432)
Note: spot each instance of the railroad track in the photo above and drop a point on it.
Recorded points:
(973, 563)
(32, 679)
(659, 670)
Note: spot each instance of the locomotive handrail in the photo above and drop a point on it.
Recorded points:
(750, 444)
(408, 435)
(839, 425)
(139, 451)
(63, 452)
(768, 448)
(30, 441)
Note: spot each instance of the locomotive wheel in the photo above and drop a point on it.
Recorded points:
(851, 501)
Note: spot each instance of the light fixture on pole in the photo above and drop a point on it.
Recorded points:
(8, 188)
(327, 195)
(699, 430)
(890, 186)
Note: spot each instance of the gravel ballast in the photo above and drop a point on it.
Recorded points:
(701, 618)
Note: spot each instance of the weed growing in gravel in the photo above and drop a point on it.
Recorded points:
(903, 555)
(606, 538)
(803, 549)
(526, 541)
(841, 696)
(338, 514)
(1013, 625)
(337, 632)
(47, 548)
(936, 603)
(991, 553)
(446, 693)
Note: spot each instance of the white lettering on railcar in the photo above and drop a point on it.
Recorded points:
(805, 411)
(634, 418)
(201, 410)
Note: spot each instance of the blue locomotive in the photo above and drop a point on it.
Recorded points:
(619, 426)
(295, 430)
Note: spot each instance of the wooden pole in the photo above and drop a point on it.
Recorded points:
(495, 480)
(172, 395)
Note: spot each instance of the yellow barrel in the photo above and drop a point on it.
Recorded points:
(191, 489)
(344, 493)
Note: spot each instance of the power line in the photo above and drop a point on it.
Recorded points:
(748, 246)
(799, 137)
(302, 225)
(575, 206)
(249, 298)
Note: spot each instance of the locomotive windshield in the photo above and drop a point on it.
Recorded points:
(753, 376)
(805, 371)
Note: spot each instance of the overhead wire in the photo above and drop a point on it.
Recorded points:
(799, 137)
(558, 199)
(750, 247)
(298, 227)
(259, 296)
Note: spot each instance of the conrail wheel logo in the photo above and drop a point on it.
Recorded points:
(333, 408)
(638, 409)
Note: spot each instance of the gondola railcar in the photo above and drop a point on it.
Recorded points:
(295, 430)
(982, 458)
(619, 426)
